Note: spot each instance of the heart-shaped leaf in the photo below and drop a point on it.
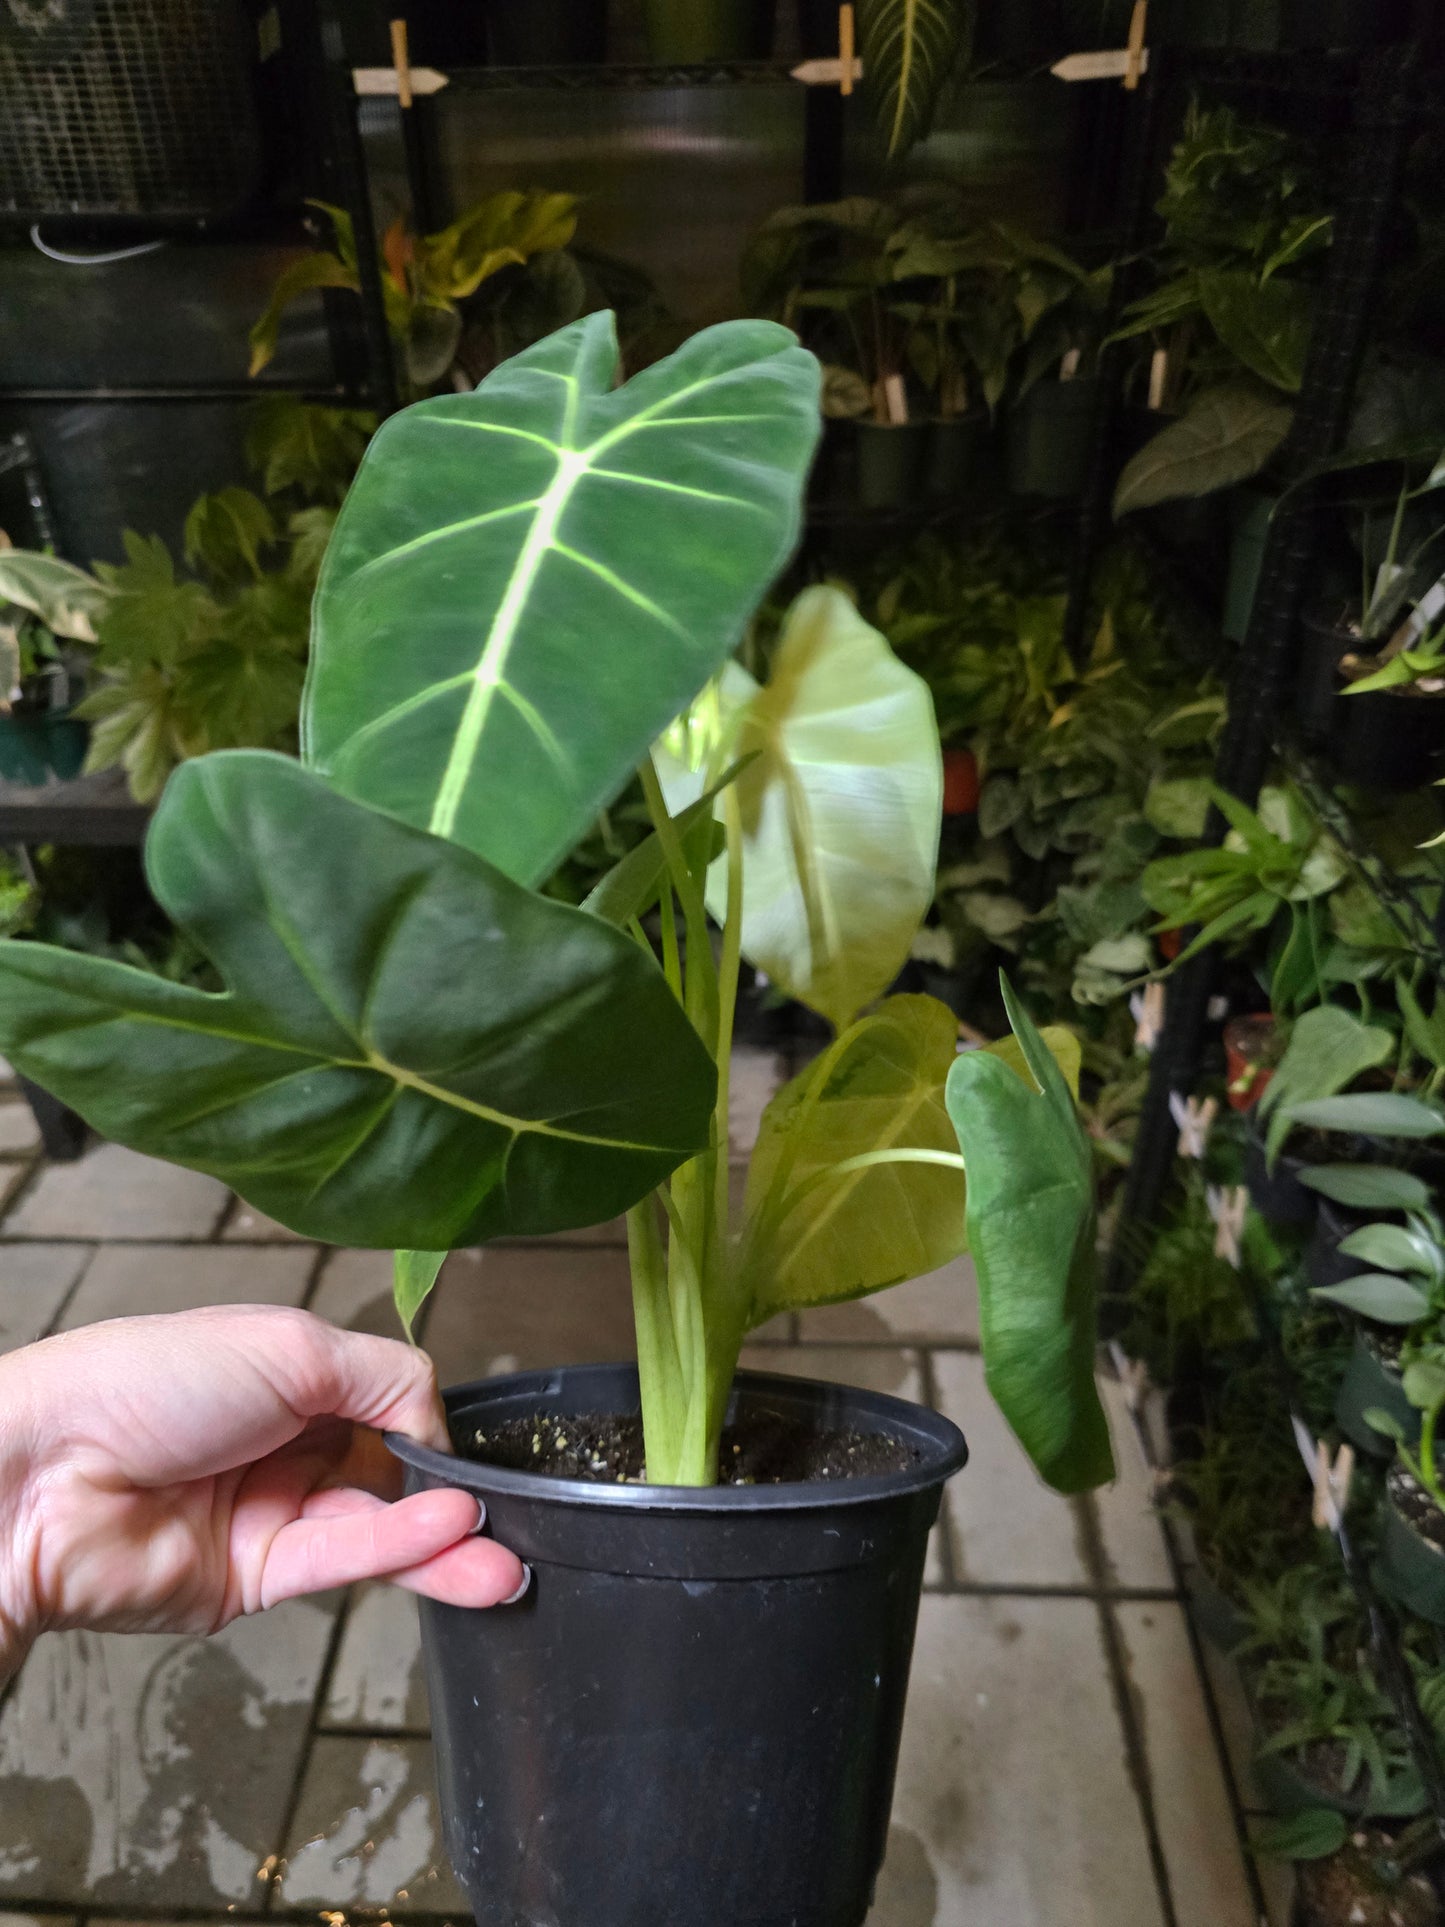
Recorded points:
(1031, 1227)
(1378, 1295)
(1367, 1187)
(908, 48)
(857, 1231)
(1227, 435)
(527, 583)
(411, 1049)
(1266, 324)
(1372, 1113)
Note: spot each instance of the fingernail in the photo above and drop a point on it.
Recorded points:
(481, 1524)
(521, 1591)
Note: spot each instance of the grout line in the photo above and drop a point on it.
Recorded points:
(307, 1749)
(944, 1526)
(69, 1299)
(20, 1188)
(228, 1211)
(1136, 1753)
(380, 1733)
(322, 1256)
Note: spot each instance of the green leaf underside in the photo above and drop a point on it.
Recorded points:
(869, 1228)
(1378, 1295)
(413, 1275)
(527, 583)
(1375, 1113)
(412, 1051)
(1031, 1232)
(1227, 435)
(1367, 1187)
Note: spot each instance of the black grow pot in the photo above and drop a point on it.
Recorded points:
(1371, 1383)
(693, 1715)
(1277, 1195)
(892, 462)
(1389, 739)
(1325, 1263)
(1317, 678)
(1050, 437)
(959, 463)
(546, 33)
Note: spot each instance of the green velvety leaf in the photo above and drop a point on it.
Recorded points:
(528, 583)
(1227, 435)
(1265, 324)
(1031, 1229)
(413, 1275)
(1378, 1295)
(1391, 1247)
(1313, 1834)
(908, 48)
(841, 807)
(1367, 1187)
(881, 1089)
(1328, 1049)
(411, 1051)
(66, 599)
(1372, 1113)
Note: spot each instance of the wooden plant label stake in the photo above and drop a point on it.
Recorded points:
(1330, 1480)
(374, 83)
(1147, 1009)
(1136, 56)
(401, 60)
(1112, 64)
(1195, 1118)
(1158, 379)
(845, 48)
(1227, 1206)
(1069, 366)
(895, 400)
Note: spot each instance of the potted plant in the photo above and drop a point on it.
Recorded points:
(45, 604)
(415, 1049)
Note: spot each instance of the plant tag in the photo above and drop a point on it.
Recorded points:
(1147, 1009)
(1112, 64)
(1426, 612)
(1136, 57)
(1069, 366)
(1227, 1206)
(845, 48)
(382, 82)
(1330, 1480)
(401, 60)
(1133, 1375)
(1158, 379)
(895, 400)
(828, 72)
(1195, 1118)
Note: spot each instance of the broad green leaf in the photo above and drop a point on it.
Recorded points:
(1265, 324)
(1328, 1049)
(1372, 1113)
(1367, 1187)
(1314, 1834)
(841, 808)
(66, 599)
(1379, 1295)
(528, 583)
(302, 276)
(1424, 1381)
(1031, 1229)
(881, 1089)
(413, 1275)
(908, 48)
(1227, 435)
(411, 1049)
(1391, 1247)
(1178, 805)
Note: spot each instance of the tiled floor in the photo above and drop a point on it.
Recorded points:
(1060, 1766)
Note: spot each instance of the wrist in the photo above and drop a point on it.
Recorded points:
(19, 1609)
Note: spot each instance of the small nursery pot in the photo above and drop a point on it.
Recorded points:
(961, 784)
(693, 1715)
(1246, 1043)
(1276, 1195)
(1369, 1383)
(892, 463)
(1050, 435)
(547, 33)
(1410, 1568)
(1389, 740)
(1325, 1263)
(958, 464)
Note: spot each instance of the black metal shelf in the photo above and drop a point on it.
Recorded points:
(617, 75)
(94, 811)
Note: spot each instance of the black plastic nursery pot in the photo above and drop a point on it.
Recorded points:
(1277, 1195)
(546, 33)
(892, 463)
(1214, 1613)
(1325, 1263)
(1386, 739)
(1371, 1383)
(693, 1714)
(1409, 1567)
(959, 462)
(690, 31)
(1050, 435)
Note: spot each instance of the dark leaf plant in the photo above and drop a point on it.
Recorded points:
(533, 591)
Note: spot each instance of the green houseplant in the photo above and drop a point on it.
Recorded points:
(415, 1049)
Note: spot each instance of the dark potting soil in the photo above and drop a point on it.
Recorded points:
(1346, 1890)
(607, 1450)
(1415, 1506)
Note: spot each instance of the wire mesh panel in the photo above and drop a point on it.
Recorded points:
(127, 108)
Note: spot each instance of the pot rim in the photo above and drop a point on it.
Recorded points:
(949, 1453)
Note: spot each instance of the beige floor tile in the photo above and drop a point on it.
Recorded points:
(876, 1370)
(1013, 1807)
(19, 1133)
(155, 1772)
(354, 1291)
(613, 1232)
(513, 1307)
(125, 1279)
(39, 1920)
(755, 1075)
(1196, 1824)
(1134, 1551)
(1007, 1527)
(115, 1193)
(247, 1225)
(33, 1282)
(377, 1679)
(367, 1831)
(940, 1308)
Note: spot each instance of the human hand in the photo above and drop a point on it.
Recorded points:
(171, 1473)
